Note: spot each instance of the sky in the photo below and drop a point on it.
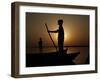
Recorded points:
(76, 29)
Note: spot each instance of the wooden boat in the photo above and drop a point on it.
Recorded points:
(72, 56)
(50, 59)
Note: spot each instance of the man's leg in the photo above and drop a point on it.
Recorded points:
(60, 45)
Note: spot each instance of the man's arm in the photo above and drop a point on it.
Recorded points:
(53, 31)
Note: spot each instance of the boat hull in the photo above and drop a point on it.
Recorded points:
(50, 59)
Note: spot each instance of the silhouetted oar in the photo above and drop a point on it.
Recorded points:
(51, 37)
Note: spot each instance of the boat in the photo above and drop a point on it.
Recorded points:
(50, 59)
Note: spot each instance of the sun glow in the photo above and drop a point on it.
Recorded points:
(65, 36)
(55, 37)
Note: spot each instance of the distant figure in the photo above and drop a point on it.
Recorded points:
(40, 43)
(60, 32)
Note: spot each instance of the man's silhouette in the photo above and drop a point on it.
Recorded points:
(60, 32)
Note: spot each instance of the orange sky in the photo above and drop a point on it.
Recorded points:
(76, 28)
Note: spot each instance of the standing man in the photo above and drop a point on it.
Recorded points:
(60, 32)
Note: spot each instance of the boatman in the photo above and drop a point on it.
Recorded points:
(60, 32)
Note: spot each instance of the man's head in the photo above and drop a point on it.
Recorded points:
(60, 22)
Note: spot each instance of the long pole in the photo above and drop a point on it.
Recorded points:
(51, 37)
